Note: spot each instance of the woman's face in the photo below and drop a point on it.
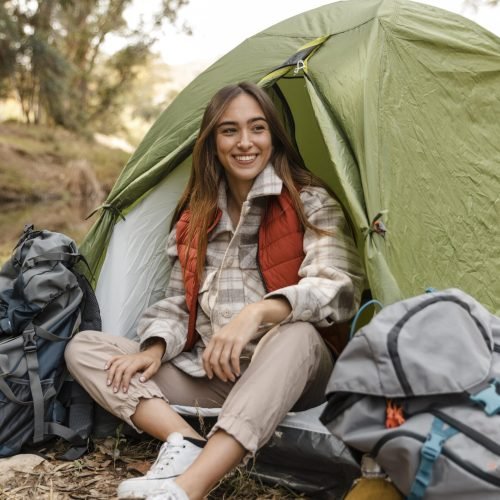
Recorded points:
(243, 142)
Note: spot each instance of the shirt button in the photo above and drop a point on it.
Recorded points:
(226, 313)
(306, 315)
(229, 261)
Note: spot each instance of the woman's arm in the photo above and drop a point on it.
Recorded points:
(222, 354)
(331, 274)
(272, 310)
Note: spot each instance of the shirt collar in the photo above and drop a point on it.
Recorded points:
(267, 183)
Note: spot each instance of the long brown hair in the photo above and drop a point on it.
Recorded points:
(201, 193)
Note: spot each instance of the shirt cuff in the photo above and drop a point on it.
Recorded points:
(174, 344)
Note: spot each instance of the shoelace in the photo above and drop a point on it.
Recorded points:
(167, 453)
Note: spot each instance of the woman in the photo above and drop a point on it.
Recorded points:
(260, 253)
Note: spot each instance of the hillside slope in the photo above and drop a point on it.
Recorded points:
(51, 178)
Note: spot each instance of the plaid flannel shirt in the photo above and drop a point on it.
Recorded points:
(329, 290)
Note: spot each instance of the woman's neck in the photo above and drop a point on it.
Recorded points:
(238, 191)
(234, 205)
(236, 195)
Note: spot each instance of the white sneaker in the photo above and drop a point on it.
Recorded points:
(175, 456)
(170, 491)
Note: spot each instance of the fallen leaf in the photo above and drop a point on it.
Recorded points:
(64, 466)
(141, 467)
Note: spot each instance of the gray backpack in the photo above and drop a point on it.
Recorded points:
(44, 301)
(418, 389)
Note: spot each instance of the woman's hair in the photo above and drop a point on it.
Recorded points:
(201, 193)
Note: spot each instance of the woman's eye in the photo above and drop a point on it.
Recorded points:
(259, 128)
(228, 131)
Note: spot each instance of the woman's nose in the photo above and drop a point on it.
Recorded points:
(245, 141)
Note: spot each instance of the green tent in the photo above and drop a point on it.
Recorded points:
(395, 104)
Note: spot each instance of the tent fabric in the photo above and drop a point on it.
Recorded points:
(396, 108)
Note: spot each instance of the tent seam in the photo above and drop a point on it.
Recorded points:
(272, 35)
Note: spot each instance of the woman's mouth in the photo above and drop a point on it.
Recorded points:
(245, 158)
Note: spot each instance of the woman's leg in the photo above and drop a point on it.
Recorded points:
(290, 370)
(145, 405)
(180, 389)
(146, 418)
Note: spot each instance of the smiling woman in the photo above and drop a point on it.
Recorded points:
(243, 144)
(261, 255)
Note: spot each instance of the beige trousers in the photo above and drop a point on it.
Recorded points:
(290, 370)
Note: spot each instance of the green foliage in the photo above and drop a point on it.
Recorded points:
(8, 42)
(116, 78)
(51, 56)
(43, 84)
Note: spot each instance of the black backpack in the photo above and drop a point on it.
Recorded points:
(44, 301)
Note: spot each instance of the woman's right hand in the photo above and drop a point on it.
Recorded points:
(122, 368)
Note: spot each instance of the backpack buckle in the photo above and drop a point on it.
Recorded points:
(429, 453)
(432, 447)
(488, 398)
(29, 344)
(5, 326)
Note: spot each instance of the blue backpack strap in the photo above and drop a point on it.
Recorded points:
(429, 453)
(358, 314)
(488, 398)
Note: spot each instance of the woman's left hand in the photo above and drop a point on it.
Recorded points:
(222, 354)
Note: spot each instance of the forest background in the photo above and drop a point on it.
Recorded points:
(71, 112)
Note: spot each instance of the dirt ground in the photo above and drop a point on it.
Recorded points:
(97, 475)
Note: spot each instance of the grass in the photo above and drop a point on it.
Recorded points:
(54, 148)
(18, 188)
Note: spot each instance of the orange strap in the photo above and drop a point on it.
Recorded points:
(394, 415)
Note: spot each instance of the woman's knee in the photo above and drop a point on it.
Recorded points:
(293, 342)
(78, 345)
(301, 335)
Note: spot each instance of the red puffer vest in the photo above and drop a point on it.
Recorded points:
(280, 255)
